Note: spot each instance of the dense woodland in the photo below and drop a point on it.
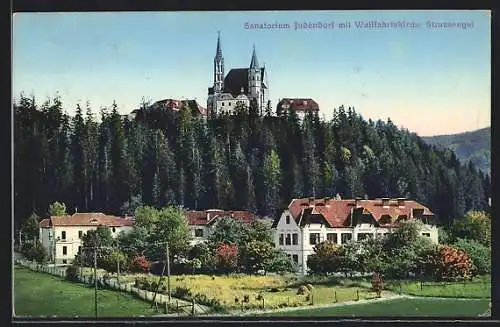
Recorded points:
(99, 162)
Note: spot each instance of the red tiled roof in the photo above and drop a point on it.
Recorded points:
(86, 219)
(298, 104)
(45, 223)
(337, 212)
(207, 217)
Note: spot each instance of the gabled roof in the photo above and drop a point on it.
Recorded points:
(87, 219)
(236, 79)
(207, 217)
(337, 212)
(298, 104)
(45, 223)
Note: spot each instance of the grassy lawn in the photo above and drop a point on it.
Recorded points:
(277, 291)
(39, 294)
(479, 288)
(399, 308)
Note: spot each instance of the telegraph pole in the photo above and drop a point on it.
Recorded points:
(118, 270)
(20, 239)
(95, 279)
(168, 274)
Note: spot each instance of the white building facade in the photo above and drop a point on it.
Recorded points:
(308, 222)
(62, 236)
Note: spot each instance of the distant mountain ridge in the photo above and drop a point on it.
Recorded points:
(474, 146)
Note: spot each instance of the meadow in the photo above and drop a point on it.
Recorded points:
(403, 307)
(268, 292)
(39, 294)
(478, 288)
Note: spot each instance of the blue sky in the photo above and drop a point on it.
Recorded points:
(429, 80)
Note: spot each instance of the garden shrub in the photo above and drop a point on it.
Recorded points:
(479, 254)
(141, 264)
(72, 273)
(182, 293)
(34, 251)
(302, 290)
(377, 284)
(447, 262)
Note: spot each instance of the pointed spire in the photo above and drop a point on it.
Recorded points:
(219, 49)
(254, 63)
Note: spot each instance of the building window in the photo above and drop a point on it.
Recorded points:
(362, 236)
(80, 249)
(345, 237)
(65, 261)
(281, 239)
(288, 239)
(65, 250)
(223, 104)
(426, 234)
(295, 239)
(63, 235)
(198, 232)
(80, 234)
(295, 258)
(114, 229)
(287, 219)
(314, 238)
(332, 237)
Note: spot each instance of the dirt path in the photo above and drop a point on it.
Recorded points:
(319, 306)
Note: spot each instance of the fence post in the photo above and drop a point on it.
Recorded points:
(421, 286)
(357, 295)
(166, 307)
(262, 303)
(178, 312)
(335, 293)
(193, 311)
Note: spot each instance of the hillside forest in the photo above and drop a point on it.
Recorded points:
(108, 162)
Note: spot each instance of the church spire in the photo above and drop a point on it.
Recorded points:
(218, 67)
(254, 63)
(218, 54)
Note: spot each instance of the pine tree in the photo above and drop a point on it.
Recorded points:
(79, 160)
(272, 175)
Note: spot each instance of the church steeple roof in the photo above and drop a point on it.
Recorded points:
(254, 63)
(218, 54)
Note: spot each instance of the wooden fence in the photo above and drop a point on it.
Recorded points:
(160, 302)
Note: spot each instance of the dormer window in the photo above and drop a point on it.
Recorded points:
(93, 221)
(287, 219)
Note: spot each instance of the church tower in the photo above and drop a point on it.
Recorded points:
(254, 80)
(218, 68)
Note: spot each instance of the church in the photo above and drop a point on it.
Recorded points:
(239, 87)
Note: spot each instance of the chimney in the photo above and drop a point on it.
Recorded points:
(76, 209)
(311, 201)
(401, 202)
(208, 215)
(356, 201)
(385, 202)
